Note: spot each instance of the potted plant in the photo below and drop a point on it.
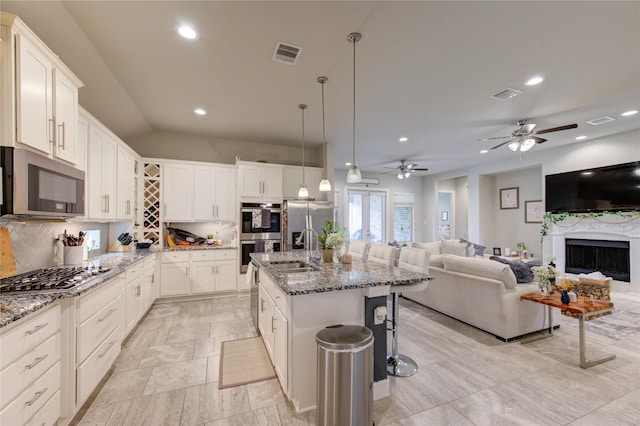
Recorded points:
(210, 239)
(522, 249)
(332, 239)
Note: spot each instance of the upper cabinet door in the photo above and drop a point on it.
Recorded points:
(34, 94)
(204, 196)
(251, 181)
(125, 193)
(66, 113)
(177, 184)
(225, 194)
(272, 182)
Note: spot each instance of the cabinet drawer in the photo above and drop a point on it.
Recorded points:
(89, 304)
(279, 297)
(49, 414)
(93, 331)
(176, 256)
(90, 372)
(28, 334)
(224, 254)
(19, 375)
(201, 255)
(150, 263)
(134, 272)
(32, 399)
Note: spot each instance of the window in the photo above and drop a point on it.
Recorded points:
(403, 217)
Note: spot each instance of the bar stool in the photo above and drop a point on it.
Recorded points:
(382, 253)
(415, 260)
(359, 249)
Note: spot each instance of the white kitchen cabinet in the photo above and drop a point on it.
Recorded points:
(177, 192)
(30, 368)
(44, 115)
(125, 190)
(134, 296)
(274, 326)
(293, 180)
(196, 192)
(101, 174)
(174, 273)
(83, 142)
(186, 273)
(260, 181)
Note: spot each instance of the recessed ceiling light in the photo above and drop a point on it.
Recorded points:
(347, 164)
(187, 32)
(403, 139)
(587, 173)
(484, 151)
(629, 113)
(533, 81)
(200, 111)
(580, 138)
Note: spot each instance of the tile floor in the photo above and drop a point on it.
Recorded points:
(168, 370)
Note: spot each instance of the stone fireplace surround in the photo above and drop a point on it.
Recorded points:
(608, 227)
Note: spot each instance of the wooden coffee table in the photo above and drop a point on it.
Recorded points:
(583, 307)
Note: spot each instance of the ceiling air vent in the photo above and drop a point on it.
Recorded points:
(507, 93)
(286, 53)
(601, 120)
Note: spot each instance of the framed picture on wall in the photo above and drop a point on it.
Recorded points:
(533, 211)
(444, 216)
(509, 198)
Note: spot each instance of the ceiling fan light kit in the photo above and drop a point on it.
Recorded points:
(524, 138)
(354, 175)
(303, 192)
(325, 185)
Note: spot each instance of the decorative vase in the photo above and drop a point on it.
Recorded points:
(564, 298)
(327, 255)
(545, 287)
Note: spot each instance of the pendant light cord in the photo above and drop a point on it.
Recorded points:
(354, 102)
(324, 141)
(302, 108)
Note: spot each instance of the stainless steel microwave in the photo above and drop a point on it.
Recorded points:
(34, 185)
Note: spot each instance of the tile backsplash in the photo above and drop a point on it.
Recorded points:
(34, 241)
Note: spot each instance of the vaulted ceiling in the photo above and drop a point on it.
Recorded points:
(424, 70)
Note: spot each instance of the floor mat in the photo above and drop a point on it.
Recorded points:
(244, 361)
(619, 325)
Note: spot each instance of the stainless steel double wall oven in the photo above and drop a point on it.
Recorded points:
(261, 230)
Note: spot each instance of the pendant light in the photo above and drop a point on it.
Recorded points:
(325, 185)
(354, 175)
(303, 192)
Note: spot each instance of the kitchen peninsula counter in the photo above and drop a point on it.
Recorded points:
(332, 276)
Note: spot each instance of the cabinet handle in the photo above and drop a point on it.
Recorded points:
(273, 327)
(261, 305)
(36, 328)
(104, 203)
(138, 291)
(107, 316)
(128, 207)
(35, 397)
(51, 130)
(153, 278)
(107, 350)
(187, 271)
(35, 362)
(164, 210)
(108, 202)
(62, 141)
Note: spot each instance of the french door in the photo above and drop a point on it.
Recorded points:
(366, 212)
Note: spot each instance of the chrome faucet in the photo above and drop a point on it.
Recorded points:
(308, 243)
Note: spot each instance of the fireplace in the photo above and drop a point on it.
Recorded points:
(609, 257)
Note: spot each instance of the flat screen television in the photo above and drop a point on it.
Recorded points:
(610, 188)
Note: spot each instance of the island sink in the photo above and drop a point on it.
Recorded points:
(293, 267)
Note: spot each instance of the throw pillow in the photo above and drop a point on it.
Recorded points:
(454, 247)
(521, 270)
(433, 248)
(395, 244)
(481, 268)
(436, 260)
(473, 249)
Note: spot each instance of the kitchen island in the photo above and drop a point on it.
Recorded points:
(299, 297)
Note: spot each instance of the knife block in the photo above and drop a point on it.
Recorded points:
(116, 246)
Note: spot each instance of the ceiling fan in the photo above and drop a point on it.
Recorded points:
(524, 138)
(404, 170)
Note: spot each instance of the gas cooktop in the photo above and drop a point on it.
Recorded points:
(54, 278)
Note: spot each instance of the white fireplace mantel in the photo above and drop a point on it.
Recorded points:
(607, 227)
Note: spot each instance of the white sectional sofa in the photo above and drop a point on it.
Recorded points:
(480, 292)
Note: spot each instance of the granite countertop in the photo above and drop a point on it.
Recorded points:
(199, 247)
(18, 305)
(333, 276)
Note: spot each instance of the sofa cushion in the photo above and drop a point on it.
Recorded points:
(480, 267)
(522, 270)
(436, 260)
(433, 248)
(473, 249)
(454, 247)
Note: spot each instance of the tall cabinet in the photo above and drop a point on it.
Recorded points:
(43, 112)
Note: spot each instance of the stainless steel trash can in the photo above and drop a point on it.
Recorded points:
(345, 376)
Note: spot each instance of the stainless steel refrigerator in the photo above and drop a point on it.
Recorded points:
(298, 214)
